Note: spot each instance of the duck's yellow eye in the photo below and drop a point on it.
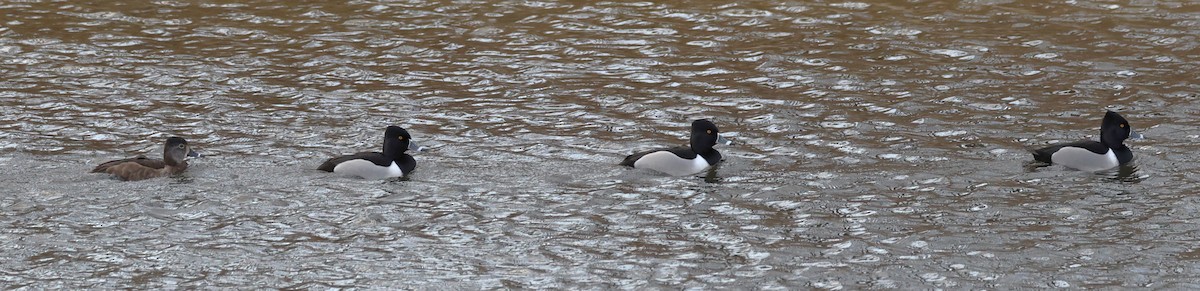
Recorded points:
(708, 131)
(401, 138)
(1122, 125)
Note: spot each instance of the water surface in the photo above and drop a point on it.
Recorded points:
(877, 144)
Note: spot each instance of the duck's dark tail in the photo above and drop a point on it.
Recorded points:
(629, 160)
(1043, 154)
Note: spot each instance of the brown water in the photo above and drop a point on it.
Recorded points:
(877, 144)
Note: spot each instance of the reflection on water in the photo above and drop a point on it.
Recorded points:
(1126, 174)
(710, 176)
(878, 144)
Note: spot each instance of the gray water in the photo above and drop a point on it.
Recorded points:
(878, 145)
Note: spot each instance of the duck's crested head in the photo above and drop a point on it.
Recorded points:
(396, 140)
(1114, 129)
(396, 132)
(176, 150)
(705, 135)
(176, 141)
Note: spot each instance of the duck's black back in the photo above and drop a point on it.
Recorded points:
(1046, 154)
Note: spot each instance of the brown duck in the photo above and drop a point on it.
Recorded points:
(175, 154)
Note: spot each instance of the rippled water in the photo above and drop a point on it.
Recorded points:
(877, 144)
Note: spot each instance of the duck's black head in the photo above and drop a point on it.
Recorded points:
(705, 135)
(1114, 130)
(396, 140)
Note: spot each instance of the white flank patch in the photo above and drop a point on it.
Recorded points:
(667, 162)
(1084, 160)
(368, 170)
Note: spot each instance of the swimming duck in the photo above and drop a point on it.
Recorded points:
(1090, 155)
(391, 163)
(684, 160)
(175, 154)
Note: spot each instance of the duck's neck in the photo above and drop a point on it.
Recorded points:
(171, 161)
(1111, 142)
(392, 149)
(178, 167)
(1124, 155)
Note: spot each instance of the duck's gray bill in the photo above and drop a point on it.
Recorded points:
(1135, 135)
(722, 140)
